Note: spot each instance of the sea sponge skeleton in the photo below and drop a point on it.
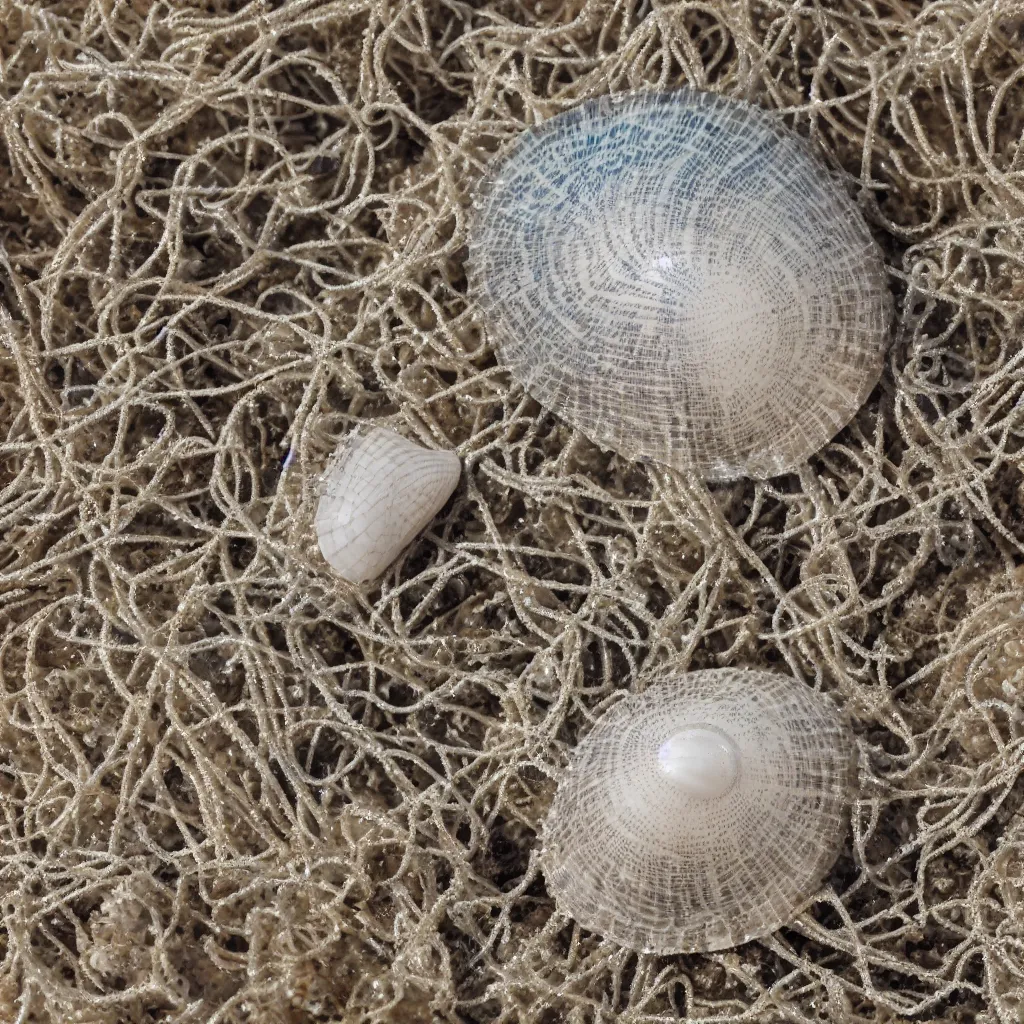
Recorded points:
(682, 280)
(701, 813)
(379, 491)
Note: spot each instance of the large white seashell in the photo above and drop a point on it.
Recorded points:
(701, 813)
(379, 491)
(680, 278)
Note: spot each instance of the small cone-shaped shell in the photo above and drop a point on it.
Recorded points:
(379, 492)
(677, 276)
(701, 813)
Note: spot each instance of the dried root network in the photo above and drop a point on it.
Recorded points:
(238, 790)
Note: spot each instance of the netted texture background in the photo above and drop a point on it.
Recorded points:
(238, 790)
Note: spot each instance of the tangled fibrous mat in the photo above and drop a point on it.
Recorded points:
(235, 789)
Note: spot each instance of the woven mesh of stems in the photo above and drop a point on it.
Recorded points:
(150, 394)
(681, 279)
(667, 867)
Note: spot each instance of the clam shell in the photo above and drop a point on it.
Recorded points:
(701, 813)
(379, 491)
(681, 279)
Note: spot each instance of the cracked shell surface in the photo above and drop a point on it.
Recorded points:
(663, 867)
(679, 277)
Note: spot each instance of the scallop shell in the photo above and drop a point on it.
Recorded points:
(701, 813)
(681, 279)
(379, 492)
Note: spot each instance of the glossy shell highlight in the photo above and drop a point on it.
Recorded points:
(682, 280)
(663, 860)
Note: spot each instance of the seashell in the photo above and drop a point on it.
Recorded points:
(679, 277)
(701, 813)
(379, 492)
